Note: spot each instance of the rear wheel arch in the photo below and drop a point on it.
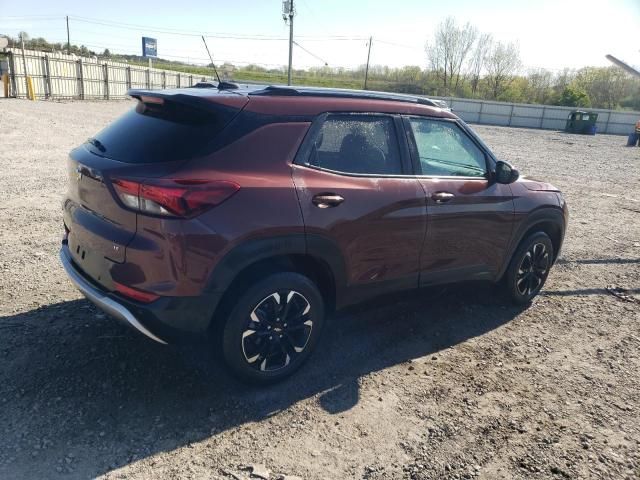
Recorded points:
(266, 344)
(318, 259)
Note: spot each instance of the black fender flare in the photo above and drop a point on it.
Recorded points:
(541, 215)
(249, 252)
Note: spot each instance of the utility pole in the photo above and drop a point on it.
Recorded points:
(68, 38)
(288, 13)
(366, 71)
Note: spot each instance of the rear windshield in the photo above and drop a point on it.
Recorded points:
(154, 133)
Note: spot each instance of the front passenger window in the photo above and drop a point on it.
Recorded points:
(445, 150)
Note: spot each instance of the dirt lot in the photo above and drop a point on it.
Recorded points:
(450, 383)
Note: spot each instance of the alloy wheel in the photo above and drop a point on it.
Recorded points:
(532, 270)
(277, 330)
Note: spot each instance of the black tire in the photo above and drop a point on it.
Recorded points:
(529, 268)
(289, 310)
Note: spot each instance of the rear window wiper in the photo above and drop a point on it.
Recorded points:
(97, 143)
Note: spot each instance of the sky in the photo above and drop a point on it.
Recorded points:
(552, 34)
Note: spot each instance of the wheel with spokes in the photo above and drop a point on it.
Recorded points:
(273, 328)
(529, 267)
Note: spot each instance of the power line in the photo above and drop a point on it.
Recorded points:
(394, 44)
(126, 50)
(233, 36)
(179, 32)
(171, 31)
(310, 53)
(191, 34)
(33, 17)
(331, 39)
(19, 29)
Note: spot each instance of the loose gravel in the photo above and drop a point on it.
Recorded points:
(448, 383)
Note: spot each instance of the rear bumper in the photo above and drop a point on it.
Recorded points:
(166, 320)
(102, 301)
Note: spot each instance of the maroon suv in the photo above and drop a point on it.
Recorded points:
(245, 215)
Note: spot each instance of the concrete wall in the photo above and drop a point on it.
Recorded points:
(536, 116)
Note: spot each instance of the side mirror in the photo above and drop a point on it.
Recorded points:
(505, 173)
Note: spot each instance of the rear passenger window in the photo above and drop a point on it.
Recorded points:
(357, 144)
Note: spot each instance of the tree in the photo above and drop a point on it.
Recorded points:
(633, 100)
(563, 79)
(449, 49)
(574, 97)
(106, 53)
(502, 63)
(409, 74)
(539, 83)
(478, 59)
(605, 86)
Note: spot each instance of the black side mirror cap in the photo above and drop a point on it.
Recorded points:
(505, 173)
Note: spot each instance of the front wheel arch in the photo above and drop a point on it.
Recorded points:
(523, 265)
(546, 220)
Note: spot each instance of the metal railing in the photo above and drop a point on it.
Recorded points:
(60, 76)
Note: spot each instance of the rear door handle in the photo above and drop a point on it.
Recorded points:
(327, 200)
(442, 197)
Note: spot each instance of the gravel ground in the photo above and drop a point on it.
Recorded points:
(451, 383)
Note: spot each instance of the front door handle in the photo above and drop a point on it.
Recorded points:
(442, 197)
(327, 200)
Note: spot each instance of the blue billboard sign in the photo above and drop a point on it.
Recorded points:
(149, 47)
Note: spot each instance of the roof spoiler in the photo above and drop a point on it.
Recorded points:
(199, 100)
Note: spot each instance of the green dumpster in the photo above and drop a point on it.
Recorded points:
(581, 122)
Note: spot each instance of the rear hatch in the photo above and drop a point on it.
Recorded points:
(154, 139)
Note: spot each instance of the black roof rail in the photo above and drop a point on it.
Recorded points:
(223, 85)
(278, 90)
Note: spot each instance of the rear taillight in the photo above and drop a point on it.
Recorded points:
(173, 198)
(135, 294)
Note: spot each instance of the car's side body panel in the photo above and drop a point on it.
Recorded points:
(388, 234)
(469, 219)
(467, 236)
(178, 257)
(536, 206)
(379, 228)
